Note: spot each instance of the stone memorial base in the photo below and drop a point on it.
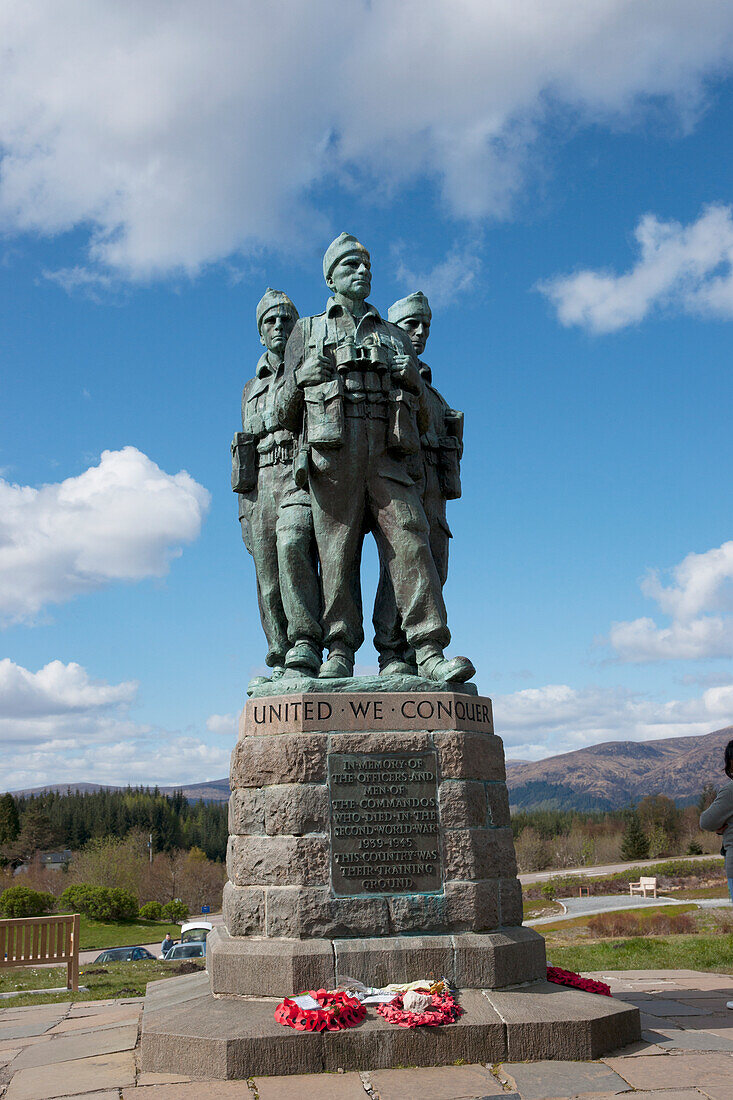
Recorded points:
(370, 839)
(187, 1030)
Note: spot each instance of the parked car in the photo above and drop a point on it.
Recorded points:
(187, 951)
(195, 930)
(124, 954)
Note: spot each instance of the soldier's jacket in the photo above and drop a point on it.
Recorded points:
(269, 442)
(441, 441)
(361, 385)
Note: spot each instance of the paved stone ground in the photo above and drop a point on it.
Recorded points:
(89, 1050)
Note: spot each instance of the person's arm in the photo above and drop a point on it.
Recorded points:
(719, 812)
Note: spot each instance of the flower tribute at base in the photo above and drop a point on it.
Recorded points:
(338, 1011)
(570, 978)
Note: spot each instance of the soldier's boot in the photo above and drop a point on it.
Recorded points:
(302, 659)
(278, 672)
(338, 664)
(434, 666)
(392, 663)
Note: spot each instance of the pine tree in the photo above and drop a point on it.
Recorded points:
(9, 820)
(634, 844)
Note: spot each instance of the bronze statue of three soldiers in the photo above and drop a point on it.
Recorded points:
(343, 433)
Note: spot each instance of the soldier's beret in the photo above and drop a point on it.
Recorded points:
(344, 245)
(414, 305)
(269, 300)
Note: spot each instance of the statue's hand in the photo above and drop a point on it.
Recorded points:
(405, 372)
(313, 370)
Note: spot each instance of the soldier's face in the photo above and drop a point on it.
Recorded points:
(352, 276)
(276, 328)
(418, 329)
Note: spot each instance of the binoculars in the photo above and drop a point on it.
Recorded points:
(350, 356)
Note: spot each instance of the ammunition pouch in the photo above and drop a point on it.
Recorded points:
(244, 463)
(300, 467)
(403, 437)
(324, 414)
(449, 467)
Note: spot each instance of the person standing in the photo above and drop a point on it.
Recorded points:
(718, 818)
(436, 472)
(353, 392)
(167, 944)
(275, 514)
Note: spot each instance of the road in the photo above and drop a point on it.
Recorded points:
(607, 869)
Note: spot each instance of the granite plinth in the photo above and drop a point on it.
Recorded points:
(186, 1030)
(258, 966)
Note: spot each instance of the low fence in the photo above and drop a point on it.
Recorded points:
(30, 940)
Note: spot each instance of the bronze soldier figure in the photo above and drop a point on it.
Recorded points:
(436, 472)
(353, 393)
(276, 518)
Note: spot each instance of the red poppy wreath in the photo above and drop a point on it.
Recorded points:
(569, 977)
(337, 1011)
(443, 1009)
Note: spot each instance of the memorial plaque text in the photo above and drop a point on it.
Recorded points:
(384, 823)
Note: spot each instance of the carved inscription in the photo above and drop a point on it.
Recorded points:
(384, 823)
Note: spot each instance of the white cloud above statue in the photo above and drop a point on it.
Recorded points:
(177, 135)
(699, 604)
(121, 520)
(679, 269)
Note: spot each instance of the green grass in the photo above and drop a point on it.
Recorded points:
(642, 914)
(648, 953)
(127, 979)
(701, 892)
(97, 934)
(540, 907)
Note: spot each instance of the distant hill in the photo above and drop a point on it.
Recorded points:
(616, 773)
(601, 777)
(217, 790)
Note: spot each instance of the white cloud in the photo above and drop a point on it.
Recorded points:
(122, 520)
(444, 282)
(686, 268)
(223, 725)
(58, 725)
(178, 134)
(538, 722)
(699, 602)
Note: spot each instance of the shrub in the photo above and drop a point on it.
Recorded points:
(100, 902)
(21, 901)
(152, 910)
(175, 911)
(633, 924)
(548, 891)
(694, 849)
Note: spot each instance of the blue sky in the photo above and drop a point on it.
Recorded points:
(563, 194)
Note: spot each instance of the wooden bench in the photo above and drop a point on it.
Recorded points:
(644, 885)
(28, 940)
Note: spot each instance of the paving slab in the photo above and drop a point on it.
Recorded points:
(440, 1083)
(94, 1023)
(327, 1086)
(105, 1071)
(25, 1031)
(684, 1039)
(663, 1094)
(161, 1079)
(58, 1008)
(6, 1056)
(106, 1095)
(695, 1070)
(553, 1080)
(660, 1006)
(67, 1048)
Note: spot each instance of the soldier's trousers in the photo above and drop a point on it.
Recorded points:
(359, 486)
(389, 637)
(277, 528)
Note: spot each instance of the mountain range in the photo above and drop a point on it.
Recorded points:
(600, 777)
